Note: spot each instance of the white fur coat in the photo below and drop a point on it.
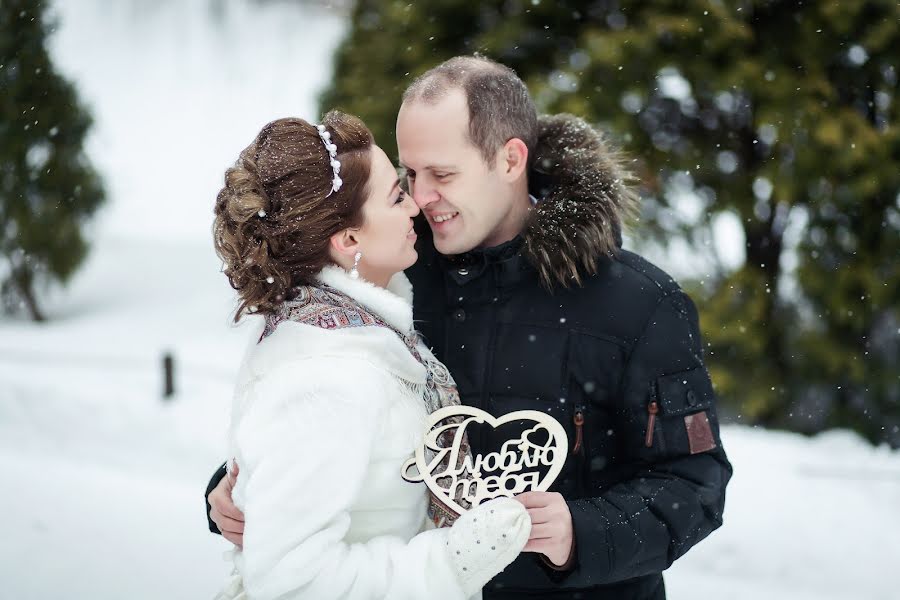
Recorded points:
(322, 422)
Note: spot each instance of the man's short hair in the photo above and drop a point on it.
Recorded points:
(500, 107)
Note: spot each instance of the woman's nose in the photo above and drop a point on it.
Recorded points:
(414, 209)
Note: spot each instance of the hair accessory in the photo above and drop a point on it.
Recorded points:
(335, 163)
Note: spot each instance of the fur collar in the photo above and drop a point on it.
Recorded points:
(292, 341)
(393, 304)
(585, 195)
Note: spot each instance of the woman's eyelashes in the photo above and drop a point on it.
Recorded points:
(400, 197)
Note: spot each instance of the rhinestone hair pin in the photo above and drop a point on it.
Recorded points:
(335, 163)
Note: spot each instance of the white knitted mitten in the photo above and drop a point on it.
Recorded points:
(484, 540)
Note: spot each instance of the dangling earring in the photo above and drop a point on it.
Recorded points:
(354, 272)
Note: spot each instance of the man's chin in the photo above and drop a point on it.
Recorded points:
(450, 247)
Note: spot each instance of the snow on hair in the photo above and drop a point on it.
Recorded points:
(278, 207)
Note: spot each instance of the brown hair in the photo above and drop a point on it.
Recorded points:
(500, 107)
(274, 216)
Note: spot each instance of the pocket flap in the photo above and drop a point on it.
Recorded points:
(684, 392)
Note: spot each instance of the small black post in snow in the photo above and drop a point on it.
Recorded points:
(168, 376)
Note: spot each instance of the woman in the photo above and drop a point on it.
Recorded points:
(315, 232)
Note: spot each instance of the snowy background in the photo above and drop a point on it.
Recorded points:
(102, 482)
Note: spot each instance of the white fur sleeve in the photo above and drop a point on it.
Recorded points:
(303, 447)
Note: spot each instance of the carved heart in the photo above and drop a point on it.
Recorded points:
(517, 462)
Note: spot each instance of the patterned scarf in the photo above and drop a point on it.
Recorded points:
(325, 307)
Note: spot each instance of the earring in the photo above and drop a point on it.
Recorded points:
(354, 272)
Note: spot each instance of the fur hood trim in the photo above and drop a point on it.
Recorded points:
(585, 196)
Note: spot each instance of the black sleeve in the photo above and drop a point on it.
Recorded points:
(641, 525)
(218, 476)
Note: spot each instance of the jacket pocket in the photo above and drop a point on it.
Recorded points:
(532, 362)
(680, 415)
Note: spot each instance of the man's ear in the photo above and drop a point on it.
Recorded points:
(345, 242)
(513, 159)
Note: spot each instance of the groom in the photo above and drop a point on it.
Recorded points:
(524, 292)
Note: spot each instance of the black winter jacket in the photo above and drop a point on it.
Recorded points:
(564, 321)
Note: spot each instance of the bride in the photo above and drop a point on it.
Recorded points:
(314, 233)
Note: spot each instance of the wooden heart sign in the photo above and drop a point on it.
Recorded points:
(516, 468)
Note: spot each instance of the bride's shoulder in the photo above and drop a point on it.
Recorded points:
(314, 383)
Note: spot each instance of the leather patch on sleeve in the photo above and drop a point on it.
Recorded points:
(699, 432)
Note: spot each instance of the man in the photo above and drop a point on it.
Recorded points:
(524, 292)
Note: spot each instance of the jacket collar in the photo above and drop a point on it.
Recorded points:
(506, 263)
(585, 196)
(378, 345)
(393, 304)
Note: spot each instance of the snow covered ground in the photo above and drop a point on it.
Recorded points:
(101, 481)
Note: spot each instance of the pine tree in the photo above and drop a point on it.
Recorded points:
(786, 112)
(47, 187)
(769, 112)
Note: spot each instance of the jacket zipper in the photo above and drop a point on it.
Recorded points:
(652, 411)
(579, 452)
(578, 419)
(484, 397)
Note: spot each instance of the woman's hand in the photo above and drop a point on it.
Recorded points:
(484, 540)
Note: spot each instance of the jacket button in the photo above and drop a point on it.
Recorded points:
(691, 397)
(459, 315)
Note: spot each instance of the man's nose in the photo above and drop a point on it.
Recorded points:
(424, 195)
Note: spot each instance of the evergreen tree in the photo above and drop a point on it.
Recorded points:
(47, 186)
(771, 112)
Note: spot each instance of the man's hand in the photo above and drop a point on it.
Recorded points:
(551, 526)
(224, 513)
